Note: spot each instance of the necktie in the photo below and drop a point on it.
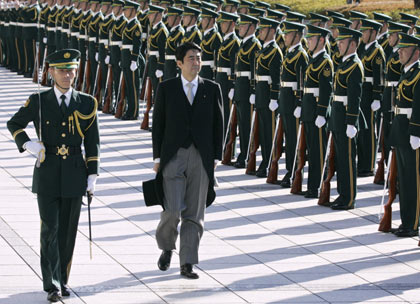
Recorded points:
(190, 95)
(63, 105)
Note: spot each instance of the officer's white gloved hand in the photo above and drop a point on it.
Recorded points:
(375, 105)
(36, 148)
(91, 183)
(297, 111)
(351, 131)
(414, 142)
(87, 53)
(320, 121)
(158, 73)
(133, 66)
(273, 105)
(107, 59)
(97, 57)
(44, 40)
(231, 93)
(252, 99)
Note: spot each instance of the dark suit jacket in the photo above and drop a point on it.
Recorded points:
(171, 126)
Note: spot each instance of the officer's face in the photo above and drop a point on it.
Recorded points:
(313, 41)
(356, 24)
(393, 39)
(224, 26)
(191, 65)
(334, 32)
(246, 30)
(405, 54)
(186, 20)
(342, 46)
(243, 10)
(288, 38)
(63, 77)
(116, 10)
(368, 36)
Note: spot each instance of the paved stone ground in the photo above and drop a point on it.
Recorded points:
(261, 244)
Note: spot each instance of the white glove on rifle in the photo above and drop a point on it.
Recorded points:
(158, 73)
(231, 93)
(36, 148)
(320, 121)
(375, 105)
(107, 59)
(91, 183)
(44, 40)
(297, 111)
(351, 131)
(273, 105)
(252, 99)
(97, 57)
(414, 142)
(133, 66)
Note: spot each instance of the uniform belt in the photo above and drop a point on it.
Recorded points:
(260, 78)
(127, 47)
(83, 37)
(29, 24)
(369, 79)
(92, 39)
(143, 35)
(59, 28)
(119, 43)
(74, 34)
(289, 84)
(63, 150)
(403, 111)
(246, 74)
(224, 70)
(209, 63)
(104, 41)
(13, 23)
(342, 99)
(67, 31)
(391, 83)
(154, 53)
(170, 57)
(50, 28)
(314, 91)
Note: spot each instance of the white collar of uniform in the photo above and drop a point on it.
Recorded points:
(120, 17)
(67, 94)
(367, 46)
(189, 28)
(32, 5)
(290, 49)
(156, 25)
(185, 81)
(394, 49)
(228, 35)
(381, 35)
(128, 21)
(207, 31)
(267, 43)
(110, 15)
(59, 6)
(174, 28)
(247, 38)
(317, 53)
(348, 56)
(406, 68)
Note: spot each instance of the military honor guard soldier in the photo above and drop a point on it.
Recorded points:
(176, 33)
(64, 119)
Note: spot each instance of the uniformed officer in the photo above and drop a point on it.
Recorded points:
(405, 136)
(64, 119)
(93, 40)
(373, 60)
(316, 100)
(335, 52)
(321, 21)
(292, 77)
(383, 33)
(410, 20)
(244, 6)
(29, 33)
(218, 3)
(142, 16)
(42, 31)
(210, 43)
(230, 6)
(244, 83)
(58, 23)
(268, 65)
(51, 27)
(189, 22)
(356, 18)
(297, 18)
(344, 118)
(176, 33)
(65, 26)
(278, 16)
(83, 43)
(76, 19)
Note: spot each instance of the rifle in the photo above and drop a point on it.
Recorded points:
(379, 174)
(325, 187)
(254, 142)
(231, 131)
(385, 223)
(276, 152)
(296, 152)
(120, 101)
(148, 97)
(297, 181)
(35, 73)
(45, 66)
(97, 86)
(80, 77)
(86, 79)
(108, 96)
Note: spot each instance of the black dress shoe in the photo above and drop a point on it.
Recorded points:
(187, 271)
(165, 260)
(402, 232)
(127, 117)
(251, 173)
(239, 164)
(338, 206)
(285, 183)
(54, 296)
(262, 173)
(65, 291)
(365, 173)
(311, 194)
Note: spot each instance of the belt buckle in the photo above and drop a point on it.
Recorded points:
(63, 151)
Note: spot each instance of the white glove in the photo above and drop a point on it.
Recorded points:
(297, 111)
(414, 142)
(97, 57)
(44, 40)
(375, 105)
(320, 121)
(87, 53)
(252, 99)
(158, 73)
(107, 59)
(231, 93)
(91, 183)
(37, 148)
(351, 131)
(133, 66)
(273, 105)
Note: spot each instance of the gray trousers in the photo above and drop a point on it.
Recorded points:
(185, 186)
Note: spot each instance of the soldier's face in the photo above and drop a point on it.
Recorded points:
(191, 65)
(342, 46)
(288, 38)
(356, 24)
(186, 20)
(393, 39)
(243, 30)
(405, 54)
(243, 10)
(334, 32)
(63, 77)
(313, 41)
(368, 36)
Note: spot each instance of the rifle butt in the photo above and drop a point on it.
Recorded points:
(145, 123)
(380, 174)
(385, 223)
(297, 183)
(227, 156)
(324, 196)
(273, 173)
(44, 78)
(119, 108)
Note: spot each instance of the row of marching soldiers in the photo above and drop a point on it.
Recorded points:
(332, 92)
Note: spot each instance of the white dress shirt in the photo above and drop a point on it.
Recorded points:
(194, 88)
(67, 94)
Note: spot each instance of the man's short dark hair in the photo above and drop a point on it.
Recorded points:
(182, 50)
